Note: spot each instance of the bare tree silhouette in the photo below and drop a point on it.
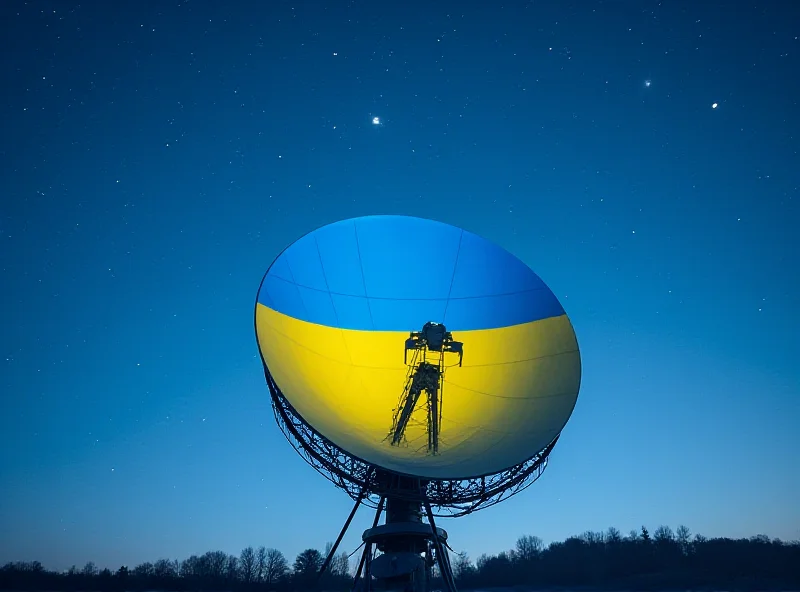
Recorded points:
(232, 568)
(463, 570)
(261, 563)
(276, 567)
(340, 566)
(214, 563)
(528, 548)
(684, 537)
(89, 569)
(248, 568)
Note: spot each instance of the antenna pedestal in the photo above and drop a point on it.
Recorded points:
(406, 550)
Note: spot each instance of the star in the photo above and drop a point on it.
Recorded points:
(376, 121)
(714, 105)
(647, 83)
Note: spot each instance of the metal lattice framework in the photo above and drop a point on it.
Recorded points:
(365, 482)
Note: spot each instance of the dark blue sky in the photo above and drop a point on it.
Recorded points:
(156, 156)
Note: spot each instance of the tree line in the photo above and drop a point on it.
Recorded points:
(253, 570)
(665, 560)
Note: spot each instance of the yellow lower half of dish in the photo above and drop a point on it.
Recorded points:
(511, 397)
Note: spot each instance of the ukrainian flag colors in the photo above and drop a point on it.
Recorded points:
(335, 308)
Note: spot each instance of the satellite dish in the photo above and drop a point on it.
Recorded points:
(415, 363)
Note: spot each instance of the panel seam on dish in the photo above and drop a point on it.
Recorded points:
(542, 289)
(333, 304)
(296, 287)
(452, 277)
(363, 277)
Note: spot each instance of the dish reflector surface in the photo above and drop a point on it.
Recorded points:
(335, 309)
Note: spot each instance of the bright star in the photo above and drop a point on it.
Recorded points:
(376, 121)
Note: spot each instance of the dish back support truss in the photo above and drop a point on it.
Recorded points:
(360, 480)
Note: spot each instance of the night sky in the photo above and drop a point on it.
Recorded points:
(155, 157)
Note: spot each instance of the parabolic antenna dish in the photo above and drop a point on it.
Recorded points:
(418, 347)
